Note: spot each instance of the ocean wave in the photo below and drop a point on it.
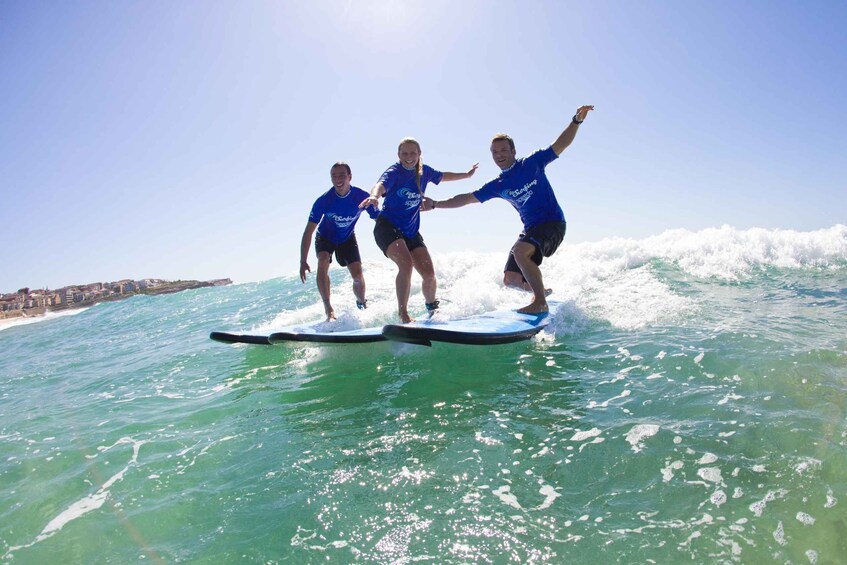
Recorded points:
(725, 252)
(627, 283)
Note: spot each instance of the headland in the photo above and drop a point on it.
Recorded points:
(28, 303)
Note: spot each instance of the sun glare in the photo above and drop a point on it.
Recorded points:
(380, 20)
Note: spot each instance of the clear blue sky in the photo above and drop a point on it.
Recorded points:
(189, 139)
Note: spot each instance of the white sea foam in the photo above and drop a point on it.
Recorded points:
(779, 534)
(605, 403)
(634, 299)
(804, 518)
(807, 464)
(758, 508)
(707, 459)
(730, 253)
(830, 499)
(550, 496)
(668, 471)
(507, 497)
(718, 498)
(613, 279)
(710, 474)
(638, 433)
(584, 435)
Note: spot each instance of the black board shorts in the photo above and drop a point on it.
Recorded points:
(386, 233)
(346, 252)
(545, 237)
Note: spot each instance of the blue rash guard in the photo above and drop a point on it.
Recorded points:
(402, 197)
(336, 216)
(525, 186)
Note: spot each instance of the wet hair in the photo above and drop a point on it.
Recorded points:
(504, 137)
(341, 164)
(419, 171)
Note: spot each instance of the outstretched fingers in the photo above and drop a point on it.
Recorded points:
(582, 111)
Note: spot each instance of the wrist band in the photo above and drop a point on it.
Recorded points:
(574, 120)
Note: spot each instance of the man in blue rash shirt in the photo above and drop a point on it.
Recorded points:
(523, 183)
(335, 214)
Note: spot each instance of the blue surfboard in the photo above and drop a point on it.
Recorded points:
(491, 328)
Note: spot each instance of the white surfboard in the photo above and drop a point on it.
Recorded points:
(320, 332)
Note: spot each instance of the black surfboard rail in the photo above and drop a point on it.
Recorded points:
(225, 337)
(340, 337)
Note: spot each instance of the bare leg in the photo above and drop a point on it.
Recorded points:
(323, 283)
(399, 253)
(358, 280)
(523, 252)
(424, 267)
(515, 280)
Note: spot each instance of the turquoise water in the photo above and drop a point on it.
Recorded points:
(686, 405)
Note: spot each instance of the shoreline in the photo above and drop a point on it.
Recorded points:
(27, 316)
(6, 323)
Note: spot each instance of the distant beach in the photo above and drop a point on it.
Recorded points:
(26, 306)
(6, 323)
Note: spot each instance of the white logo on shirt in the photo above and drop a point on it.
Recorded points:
(342, 221)
(521, 195)
(413, 198)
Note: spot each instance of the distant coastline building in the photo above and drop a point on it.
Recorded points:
(27, 302)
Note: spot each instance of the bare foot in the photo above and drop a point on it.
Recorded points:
(405, 318)
(330, 316)
(535, 308)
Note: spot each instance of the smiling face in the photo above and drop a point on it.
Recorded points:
(503, 153)
(341, 177)
(409, 154)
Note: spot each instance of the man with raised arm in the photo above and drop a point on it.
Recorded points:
(523, 183)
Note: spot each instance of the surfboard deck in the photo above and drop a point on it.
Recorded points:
(490, 328)
(315, 333)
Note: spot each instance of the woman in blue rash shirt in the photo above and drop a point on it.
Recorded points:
(335, 214)
(523, 183)
(397, 230)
